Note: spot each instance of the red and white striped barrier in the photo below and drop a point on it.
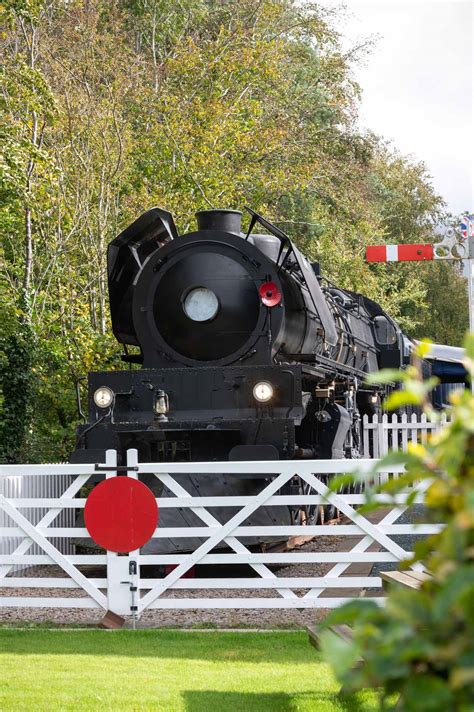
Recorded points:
(400, 253)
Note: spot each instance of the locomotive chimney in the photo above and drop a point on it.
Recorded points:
(223, 220)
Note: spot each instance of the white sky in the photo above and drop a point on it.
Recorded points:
(418, 84)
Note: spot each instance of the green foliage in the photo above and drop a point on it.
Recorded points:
(108, 108)
(17, 390)
(421, 644)
(445, 319)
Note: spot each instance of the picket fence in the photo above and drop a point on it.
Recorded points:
(121, 588)
(385, 433)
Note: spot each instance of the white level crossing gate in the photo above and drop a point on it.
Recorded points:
(122, 590)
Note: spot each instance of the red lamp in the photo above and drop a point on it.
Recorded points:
(269, 294)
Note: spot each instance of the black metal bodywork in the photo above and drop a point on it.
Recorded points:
(216, 413)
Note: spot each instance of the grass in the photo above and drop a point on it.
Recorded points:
(167, 671)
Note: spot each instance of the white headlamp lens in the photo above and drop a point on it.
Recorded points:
(201, 304)
(263, 391)
(103, 397)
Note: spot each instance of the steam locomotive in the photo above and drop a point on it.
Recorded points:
(243, 351)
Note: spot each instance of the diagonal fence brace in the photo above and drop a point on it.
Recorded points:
(233, 542)
(52, 552)
(45, 521)
(208, 545)
(364, 544)
(358, 519)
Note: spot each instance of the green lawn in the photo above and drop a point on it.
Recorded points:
(167, 670)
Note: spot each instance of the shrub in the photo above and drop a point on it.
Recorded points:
(419, 648)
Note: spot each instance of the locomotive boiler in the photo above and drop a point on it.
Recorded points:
(237, 349)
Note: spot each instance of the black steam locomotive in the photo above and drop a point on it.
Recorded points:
(245, 351)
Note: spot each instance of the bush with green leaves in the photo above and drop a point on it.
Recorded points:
(418, 649)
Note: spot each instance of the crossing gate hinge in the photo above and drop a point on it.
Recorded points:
(119, 469)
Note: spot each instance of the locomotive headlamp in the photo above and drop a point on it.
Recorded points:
(201, 304)
(263, 391)
(103, 397)
(162, 404)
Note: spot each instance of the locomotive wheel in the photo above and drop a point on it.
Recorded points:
(306, 515)
(311, 515)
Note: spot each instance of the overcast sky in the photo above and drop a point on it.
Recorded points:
(418, 84)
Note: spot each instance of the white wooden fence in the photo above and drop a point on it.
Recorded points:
(381, 434)
(115, 589)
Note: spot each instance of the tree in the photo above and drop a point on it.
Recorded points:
(446, 316)
(27, 105)
(112, 107)
(410, 210)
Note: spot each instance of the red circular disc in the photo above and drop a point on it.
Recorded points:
(269, 294)
(121, 514)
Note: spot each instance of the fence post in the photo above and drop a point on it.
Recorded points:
(413, 431)
(404, 432)
(133, 556)
(365, 436)
(393, 439)
(424, 429)
(383, 444)
(375, 437)
(117, 567)
(122, 571)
